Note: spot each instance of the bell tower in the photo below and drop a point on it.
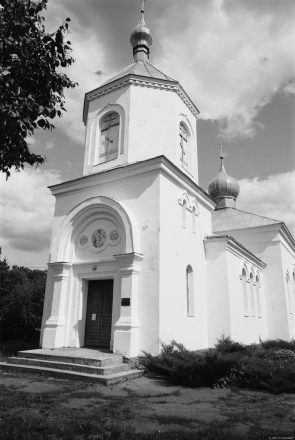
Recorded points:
(139, 114)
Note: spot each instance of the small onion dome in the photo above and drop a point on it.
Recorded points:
(223, 186)
(141, 40)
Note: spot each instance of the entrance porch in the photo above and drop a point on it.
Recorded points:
(97, 365)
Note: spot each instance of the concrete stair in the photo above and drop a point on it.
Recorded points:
(81, 363)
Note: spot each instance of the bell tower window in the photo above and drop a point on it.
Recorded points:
(183, 146)
(109, 138)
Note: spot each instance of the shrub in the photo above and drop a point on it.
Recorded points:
(228, 363)
(268, 374)
(226, 345)
(278, 344)
(193, 368)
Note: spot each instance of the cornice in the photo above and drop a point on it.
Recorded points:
(141, 81)
(158, 164)
(287, 236)
(228, 243)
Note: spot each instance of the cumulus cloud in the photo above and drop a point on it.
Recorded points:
(49, 145)
(26, 209)
(232, 57)
(273, 197)
(88, 52)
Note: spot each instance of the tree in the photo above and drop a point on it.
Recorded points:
(31, 86)
(21, 301)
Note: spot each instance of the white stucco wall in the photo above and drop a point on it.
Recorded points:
(225, 305)
(288, 265)
(269, 245)
(155, 116)
(180, 247)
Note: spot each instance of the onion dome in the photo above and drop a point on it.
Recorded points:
(141, 39)
(224, 189)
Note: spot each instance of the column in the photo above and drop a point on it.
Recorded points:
(126, 336)
(54, 330)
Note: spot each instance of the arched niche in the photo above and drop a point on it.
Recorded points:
(105, 211)
(244, 267)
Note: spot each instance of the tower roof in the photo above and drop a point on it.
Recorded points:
(223, 187)
(141, 68)
(141, 39)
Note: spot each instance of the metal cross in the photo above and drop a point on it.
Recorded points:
(142, 6)
(183, 138)
(220, 146)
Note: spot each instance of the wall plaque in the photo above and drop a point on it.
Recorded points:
(125, 302)
(114, 235)
(83, 239)
(98, 238)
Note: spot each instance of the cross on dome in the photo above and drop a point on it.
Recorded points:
(220, 144)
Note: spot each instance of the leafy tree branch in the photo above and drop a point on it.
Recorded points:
(31, 84)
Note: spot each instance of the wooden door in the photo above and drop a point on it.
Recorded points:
(99, 313)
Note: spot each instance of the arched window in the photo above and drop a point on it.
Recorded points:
(258, 301)
(245, 295)
(190, 291)
(184, 151)
(109, 137)
(253, 313)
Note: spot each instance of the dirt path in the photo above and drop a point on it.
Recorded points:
(147, 407)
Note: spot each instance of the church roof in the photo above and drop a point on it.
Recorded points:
(141, 68)
(230, 218)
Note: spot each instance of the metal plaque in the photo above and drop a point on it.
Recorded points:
(125, 302)
(93, 317)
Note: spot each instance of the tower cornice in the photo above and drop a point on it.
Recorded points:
(141, 81)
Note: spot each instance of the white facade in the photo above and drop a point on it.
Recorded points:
(138, 219)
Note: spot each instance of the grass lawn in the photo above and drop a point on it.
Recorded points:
(37, 407)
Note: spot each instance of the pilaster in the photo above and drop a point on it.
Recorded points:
(126, 336)
(54, 330)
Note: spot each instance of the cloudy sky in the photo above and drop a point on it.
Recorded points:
(236, 60)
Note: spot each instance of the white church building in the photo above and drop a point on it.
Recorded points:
(140, 254)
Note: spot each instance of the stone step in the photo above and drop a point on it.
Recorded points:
(67, 374)
(89, 369)
(98, 359)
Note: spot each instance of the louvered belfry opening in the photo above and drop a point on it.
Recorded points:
(109, 138)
